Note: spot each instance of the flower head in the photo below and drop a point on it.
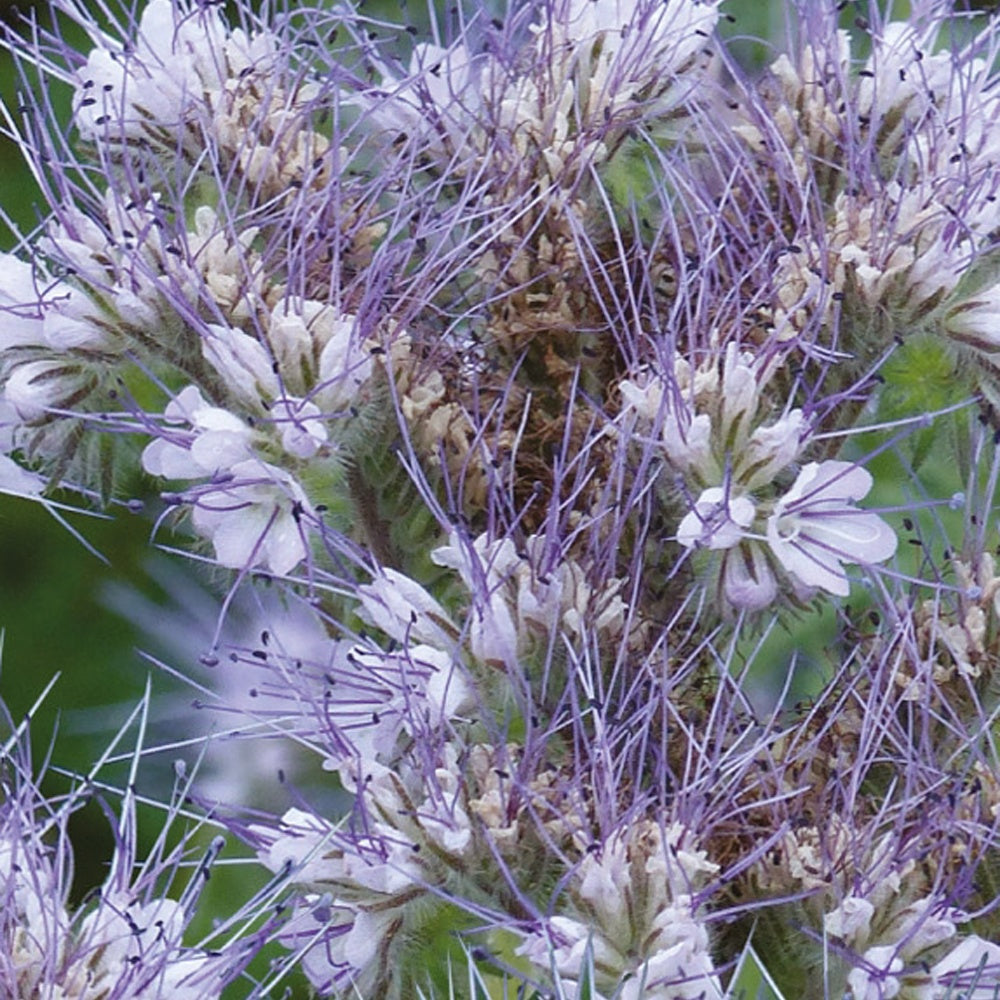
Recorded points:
(128, 940)
(519, 357)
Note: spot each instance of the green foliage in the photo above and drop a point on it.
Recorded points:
(751, 980)
(628, 177)
(921, 376)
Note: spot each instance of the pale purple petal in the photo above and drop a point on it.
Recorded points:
(815, 527)
(718, 520)
(747, 579)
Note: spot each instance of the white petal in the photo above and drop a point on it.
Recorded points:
(18, 481)
(235, 533)
(402, 609)
(960, 967)
(829, 480)
(218, 451)
(284, 546)
(854, 537)
(171, 461)
(813, 565)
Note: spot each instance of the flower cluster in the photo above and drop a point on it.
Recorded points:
(635, 899)
(524, 373)
(128, 940)
(714, 438)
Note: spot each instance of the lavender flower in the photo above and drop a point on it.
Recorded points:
(815, 527)
(128, 939)
(808, 534)
(531, 357)
(659, 869)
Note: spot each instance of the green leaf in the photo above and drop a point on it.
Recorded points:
(585, 990)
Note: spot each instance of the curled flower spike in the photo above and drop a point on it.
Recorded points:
(636, 917)
(715, 430)
(182, 60)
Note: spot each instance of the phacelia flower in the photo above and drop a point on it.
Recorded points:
(179, 64)
(716, 521)
(127, 940)
(635, 914)
(256, 516)
(815, 527)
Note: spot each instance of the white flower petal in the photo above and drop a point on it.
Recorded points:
(972, 961)
(718, 520)
(815, 527)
